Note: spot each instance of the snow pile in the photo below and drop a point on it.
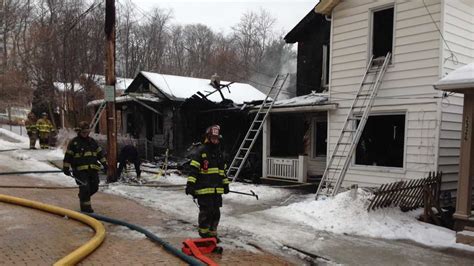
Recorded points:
(10, 140)
(345, 215)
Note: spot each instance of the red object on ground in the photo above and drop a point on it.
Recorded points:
(197, 247)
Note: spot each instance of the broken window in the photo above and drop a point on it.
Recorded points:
(382, 32)
(320, 139)
(382, 142)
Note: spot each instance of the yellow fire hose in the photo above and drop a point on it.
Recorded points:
(83, 251)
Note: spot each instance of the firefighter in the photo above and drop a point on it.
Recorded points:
(83, 156)
(32, 129)
(128, 154)
(207, 182)
(45, 128)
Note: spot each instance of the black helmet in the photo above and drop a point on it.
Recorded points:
(83, 126)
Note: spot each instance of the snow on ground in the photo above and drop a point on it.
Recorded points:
(273, 223)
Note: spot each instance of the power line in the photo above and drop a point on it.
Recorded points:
(453, 56)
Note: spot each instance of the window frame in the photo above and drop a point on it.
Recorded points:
(314, 133)
(371, 28)
(385, 168)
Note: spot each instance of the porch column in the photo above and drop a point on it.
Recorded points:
(265, 145)
(466, 165)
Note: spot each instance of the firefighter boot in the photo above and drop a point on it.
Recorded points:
(86, 207)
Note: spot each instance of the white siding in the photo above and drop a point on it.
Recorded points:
(458, 31)
(407, 85)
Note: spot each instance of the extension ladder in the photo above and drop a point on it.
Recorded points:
(353, 127)
(97, 116)
(255, 128)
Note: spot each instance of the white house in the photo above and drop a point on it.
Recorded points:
(412, 129)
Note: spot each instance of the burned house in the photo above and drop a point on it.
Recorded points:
(294, 135)
(172, 112)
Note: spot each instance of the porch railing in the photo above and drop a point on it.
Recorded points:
(293, 169)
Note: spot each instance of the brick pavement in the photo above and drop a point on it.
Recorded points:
(32, 237)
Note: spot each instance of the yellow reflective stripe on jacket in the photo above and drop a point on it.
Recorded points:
(70, 152)
(209, 171)
(222, 172)
(87, 153)
(204, 155)
(103, 160)
(66, 165)
(192, 179)
(195, 164)
(205, 191)
(225, 181)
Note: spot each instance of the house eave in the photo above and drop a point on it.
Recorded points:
(302, 108)
(456, 87)
(325, 7)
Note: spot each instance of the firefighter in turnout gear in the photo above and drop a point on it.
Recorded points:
(83, 156)
(207, 182)
(45, 128)
(32, 129)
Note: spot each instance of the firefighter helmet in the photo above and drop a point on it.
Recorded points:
(83, 127)
(213, 130)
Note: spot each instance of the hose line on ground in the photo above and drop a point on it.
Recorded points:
(81, 252)
(154, 238)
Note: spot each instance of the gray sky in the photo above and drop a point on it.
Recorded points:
(221, 15)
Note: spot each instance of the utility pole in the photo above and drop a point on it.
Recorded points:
(110, 88)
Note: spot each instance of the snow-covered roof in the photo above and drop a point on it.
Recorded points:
(61, 86)
(305, 103)
(305, 100)
(461, 78)
(127, 98)
(121, 84)
(181, 88)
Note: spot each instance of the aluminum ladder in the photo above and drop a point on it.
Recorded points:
(353, 127)
(97, 115)
(255, 128)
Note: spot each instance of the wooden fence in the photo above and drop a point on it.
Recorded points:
(408, 195)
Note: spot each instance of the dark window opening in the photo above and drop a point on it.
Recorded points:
(130, 125)
(320, 139)
(286, 135)
(382, 142)
(382, 35)
(159, 124)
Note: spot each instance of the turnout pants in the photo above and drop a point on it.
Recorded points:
(44, 140)
(90, 178)
(33, 137)
(209, 214)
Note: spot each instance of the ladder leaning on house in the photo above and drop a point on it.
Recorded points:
(353, 127)
(97, 115)
(255, 128)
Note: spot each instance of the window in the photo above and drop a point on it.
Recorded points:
(382, 142)
(382, 32)
(320, 139)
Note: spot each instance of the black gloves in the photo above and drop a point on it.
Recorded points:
(190, 190)
(66, 171)
(105, 168)
(226, 189)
